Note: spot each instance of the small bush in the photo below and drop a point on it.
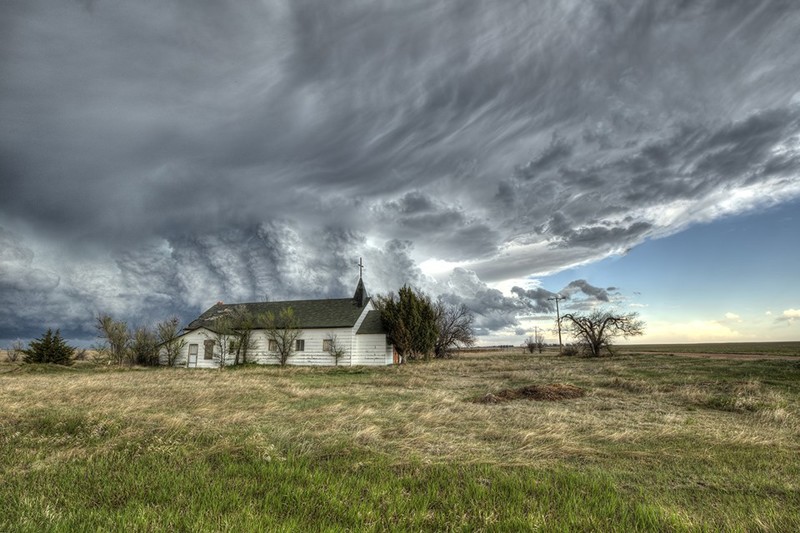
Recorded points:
(14, 351)
(571, 350)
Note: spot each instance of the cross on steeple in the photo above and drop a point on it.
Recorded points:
(360, 267)
(360, 297)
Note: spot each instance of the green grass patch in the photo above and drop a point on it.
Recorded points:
(740, 348)
(243, 491)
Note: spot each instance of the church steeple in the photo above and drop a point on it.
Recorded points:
(360, 295)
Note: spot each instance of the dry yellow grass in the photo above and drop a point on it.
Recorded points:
(420, 410)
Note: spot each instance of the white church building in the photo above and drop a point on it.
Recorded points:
(353, 322)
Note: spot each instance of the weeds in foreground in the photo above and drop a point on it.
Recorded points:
(654, 443)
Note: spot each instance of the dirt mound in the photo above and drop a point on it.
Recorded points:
(550, 393)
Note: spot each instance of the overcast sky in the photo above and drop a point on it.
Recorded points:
(159, 156)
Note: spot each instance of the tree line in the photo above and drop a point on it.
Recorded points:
(121, 344)
(417, 326)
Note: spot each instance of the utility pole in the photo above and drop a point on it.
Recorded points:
(556, 298)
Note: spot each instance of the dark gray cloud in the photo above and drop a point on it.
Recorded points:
(188, 274)
(578, 295)
(558, 151)
(583, 288)
(495, 311)
(443, 231)
(157, 156)
(492, 309)
(538, 300)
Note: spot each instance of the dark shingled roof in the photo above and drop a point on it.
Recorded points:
(336, 313)
(372, 324)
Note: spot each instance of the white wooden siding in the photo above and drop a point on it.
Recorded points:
(198, 336)
(359, 349)
(313, 355)
(370, 350)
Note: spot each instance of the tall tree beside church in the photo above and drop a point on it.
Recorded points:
(410, 320)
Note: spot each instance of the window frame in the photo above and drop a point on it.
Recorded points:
(208, 354)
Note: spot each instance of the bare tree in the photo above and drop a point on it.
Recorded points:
(332, 345)
(224, 338)
(454, 323)
(283, 330)
(168, 334)
(530, 344)
(242, 322)
(535, 342)
(115, 339)
(15, 350)
(538, 339)
(597, 329)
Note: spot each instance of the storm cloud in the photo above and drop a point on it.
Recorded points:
(156, 157)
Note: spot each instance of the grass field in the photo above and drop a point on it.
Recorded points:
(656, 443)
(741, 348)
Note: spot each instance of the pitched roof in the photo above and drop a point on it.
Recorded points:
(372, 324)
(334, 313)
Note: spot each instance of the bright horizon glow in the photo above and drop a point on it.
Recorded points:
(710, 283)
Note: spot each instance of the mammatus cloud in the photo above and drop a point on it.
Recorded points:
(447, 232)
(157, 160)
(186, 275)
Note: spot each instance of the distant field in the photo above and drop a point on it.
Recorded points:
(743, 348)
(656, 443)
